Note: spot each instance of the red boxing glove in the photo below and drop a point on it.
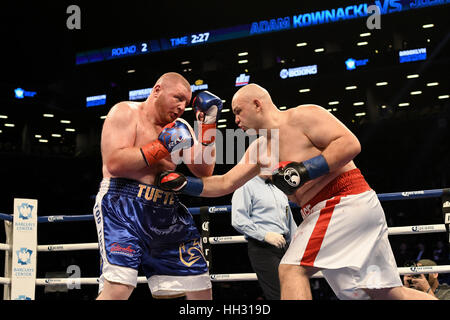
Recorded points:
(171, 181)
(178, 182)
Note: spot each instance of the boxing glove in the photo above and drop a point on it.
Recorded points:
(174, 136)
(289, 176)
(207, 107)
(178, 182)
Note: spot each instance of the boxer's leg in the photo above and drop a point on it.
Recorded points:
(119, 247)
(398, 293)
(199, 295)
(115, 291)
(294, 281)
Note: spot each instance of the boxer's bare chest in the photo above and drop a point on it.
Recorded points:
(293, 144)
(147, 132)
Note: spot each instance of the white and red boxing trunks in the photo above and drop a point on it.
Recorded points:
(344, 232)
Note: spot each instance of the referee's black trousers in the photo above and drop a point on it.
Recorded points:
(265, 259)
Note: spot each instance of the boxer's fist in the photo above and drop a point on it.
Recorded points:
(171, 181)
(178, 182)
(289, 176)
(207, 107)
(174, 136)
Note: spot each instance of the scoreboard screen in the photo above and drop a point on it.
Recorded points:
(352, 11)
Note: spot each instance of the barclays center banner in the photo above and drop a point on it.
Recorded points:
(23, 276)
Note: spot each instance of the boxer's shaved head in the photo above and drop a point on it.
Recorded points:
(252, 107)
(251, 92)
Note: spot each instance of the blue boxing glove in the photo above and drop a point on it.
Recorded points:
(174, 136)
(207, 107)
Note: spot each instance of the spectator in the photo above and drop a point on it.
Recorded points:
(427, 283)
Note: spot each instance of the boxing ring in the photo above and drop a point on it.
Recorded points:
(207, 242)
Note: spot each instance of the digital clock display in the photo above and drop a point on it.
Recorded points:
(190, 39)
(163, 44)
(350, 11)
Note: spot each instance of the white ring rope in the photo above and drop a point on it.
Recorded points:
(431, 228)
(5, 247)
(221, 277)
(67, 247)
(434, 228)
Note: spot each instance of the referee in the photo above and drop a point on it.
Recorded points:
(261, 212)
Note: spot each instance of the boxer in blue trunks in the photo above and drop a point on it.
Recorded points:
(138, 224)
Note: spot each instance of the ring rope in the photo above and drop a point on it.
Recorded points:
(232, 239)
(432, 193)
(431, 228)
(224, 277)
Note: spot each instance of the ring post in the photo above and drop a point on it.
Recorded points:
(8, 259)
(24, 249)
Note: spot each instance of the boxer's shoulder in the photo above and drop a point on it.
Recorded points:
(304, 113)
(126, 106)
(124, 111)
(307, 109)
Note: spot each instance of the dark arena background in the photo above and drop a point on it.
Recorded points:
(388, 83)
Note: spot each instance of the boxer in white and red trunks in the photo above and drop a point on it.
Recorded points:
(344, 233)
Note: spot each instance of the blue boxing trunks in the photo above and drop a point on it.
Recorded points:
(139, 225)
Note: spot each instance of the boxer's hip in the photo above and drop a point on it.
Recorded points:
(152, 214)
(140, 192)
(339, 232)
(351, 182)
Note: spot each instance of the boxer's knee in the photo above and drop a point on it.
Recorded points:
(398, 293)
(287, 272)
(284, 269)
